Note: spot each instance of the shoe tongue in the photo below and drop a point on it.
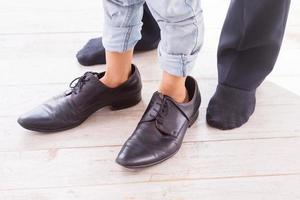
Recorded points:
(157, 96)
(92, 77)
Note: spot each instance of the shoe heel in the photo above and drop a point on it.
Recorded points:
(193, 119)
(126, 103)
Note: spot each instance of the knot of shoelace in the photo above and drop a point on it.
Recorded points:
(79, 82)
(159, 110)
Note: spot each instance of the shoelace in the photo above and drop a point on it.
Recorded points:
(80, 82)
(159, 111)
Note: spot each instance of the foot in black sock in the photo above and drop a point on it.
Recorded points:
(93, 52)
(230, 108)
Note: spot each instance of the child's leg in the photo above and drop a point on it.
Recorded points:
(174, 86)
(87, 94)
(121, 33)
(118, 68)
(181, 26)
(160, 132)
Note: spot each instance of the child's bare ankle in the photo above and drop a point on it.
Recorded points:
(174, 87)
(180, 95)
(113, 82)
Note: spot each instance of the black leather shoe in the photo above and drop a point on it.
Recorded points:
(88, 95)
(161, 130)
(93, 52)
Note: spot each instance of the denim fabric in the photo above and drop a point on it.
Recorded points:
(181, 25)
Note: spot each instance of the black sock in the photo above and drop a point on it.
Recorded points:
(230, 107)
(92, 53)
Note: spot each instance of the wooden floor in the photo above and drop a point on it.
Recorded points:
(38, 42)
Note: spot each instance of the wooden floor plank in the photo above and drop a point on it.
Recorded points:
(248, 188)
(291, 84)
(35, 16)
(108, 129)
(198, 160)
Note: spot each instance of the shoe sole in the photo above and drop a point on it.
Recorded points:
(193, 119)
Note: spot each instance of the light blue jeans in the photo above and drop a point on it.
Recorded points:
(180, 22)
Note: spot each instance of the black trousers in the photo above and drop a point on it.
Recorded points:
(250, 41)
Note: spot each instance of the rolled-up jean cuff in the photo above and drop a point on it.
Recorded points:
(121, 39)
(177, 65)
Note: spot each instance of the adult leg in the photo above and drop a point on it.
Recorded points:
(94, 53)
(248, 48)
